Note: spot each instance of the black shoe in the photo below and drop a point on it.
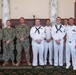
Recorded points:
(61, 66)
(55, 67)
(43, 66)
(33, 67)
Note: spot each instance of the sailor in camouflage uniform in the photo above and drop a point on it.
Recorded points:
(22, 34)
(8, 43)
(0, 38)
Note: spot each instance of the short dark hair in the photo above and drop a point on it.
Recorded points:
(22, 18)
(59, 17)
(8, 20)
(47, 19)
(71, 18)
(65, 19)
(37, 19)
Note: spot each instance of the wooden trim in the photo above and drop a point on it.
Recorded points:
(75, 12)
(31, 22)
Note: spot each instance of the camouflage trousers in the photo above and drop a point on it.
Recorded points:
(0, 46)
(8, 51)
(22, 45)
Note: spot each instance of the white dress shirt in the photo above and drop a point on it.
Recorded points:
(35, 34)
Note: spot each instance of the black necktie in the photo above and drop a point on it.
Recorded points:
(58, 29)
(37, 29)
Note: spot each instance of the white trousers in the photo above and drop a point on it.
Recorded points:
(38, 48)
(58, 54)
(48, 46)
(70, 50)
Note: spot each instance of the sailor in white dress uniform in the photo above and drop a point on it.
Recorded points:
(71, 44)
(64, 51)
(37, 34)
(58, 33)
(48, 43)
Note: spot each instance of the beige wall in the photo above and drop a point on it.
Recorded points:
(66, 8)
(0, 9)
(39, 8)
(28, 8)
